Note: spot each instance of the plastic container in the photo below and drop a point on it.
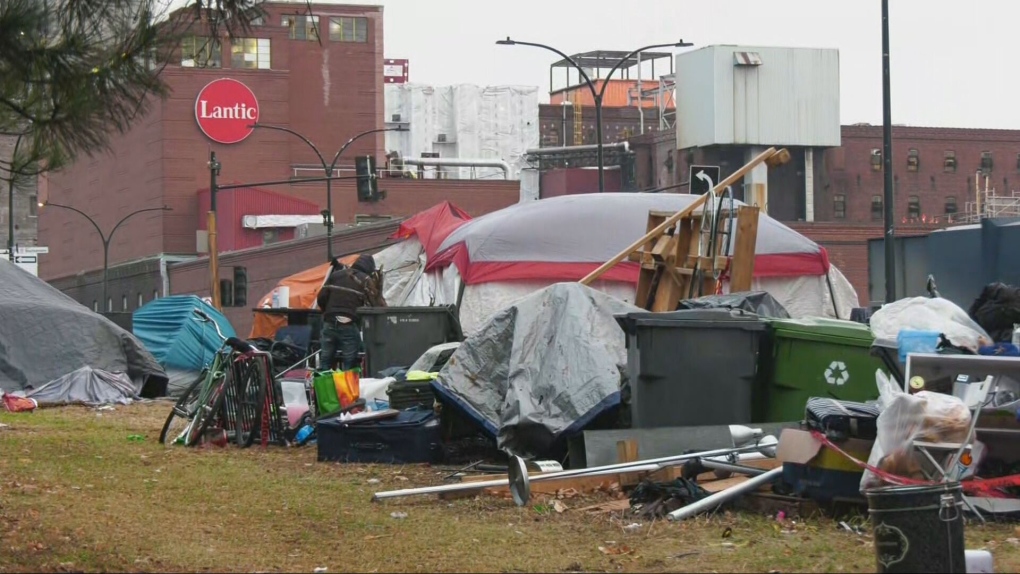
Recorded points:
(805, 358)
(398, 336)
(916, 342)
(691, 367)
(918, 528)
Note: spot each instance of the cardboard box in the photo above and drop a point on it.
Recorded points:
(816, 471)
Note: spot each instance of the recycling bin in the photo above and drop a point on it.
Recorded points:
(691, 367)
(804, 358)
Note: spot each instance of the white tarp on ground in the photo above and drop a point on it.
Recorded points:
(541, 368)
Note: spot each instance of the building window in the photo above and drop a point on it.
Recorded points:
(913, 207)
(348, 29)
(913, 159)
(986, 161)
(155, 294)
(109, 304)
(876, 207)
(95, 306)
(839, 206)
(123, 303)
(33, 205)
(876, 159)
(252, 53)
(951, 205)
(949, 162)
(197, 52)
(141, 300)
(302, 27)
(258, 21)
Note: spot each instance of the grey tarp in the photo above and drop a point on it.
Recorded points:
(86, 386)
(45, 335)
(541, 369)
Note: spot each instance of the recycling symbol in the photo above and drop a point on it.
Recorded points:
(837, 374)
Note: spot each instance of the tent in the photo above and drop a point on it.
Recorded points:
(182, 345)
(85, 386)
(507, 254)
(402, 264)
(46, 335)
(541, 369)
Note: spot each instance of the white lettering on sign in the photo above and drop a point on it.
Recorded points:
(235, 112)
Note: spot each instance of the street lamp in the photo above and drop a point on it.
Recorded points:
(327, 169)
(104, 237)
(890, 229)
(595, 93)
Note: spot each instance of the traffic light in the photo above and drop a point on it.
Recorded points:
(240, 287)
(226, 293)
(368, 186)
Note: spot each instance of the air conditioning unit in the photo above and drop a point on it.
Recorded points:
(441, 138)
(395, 118)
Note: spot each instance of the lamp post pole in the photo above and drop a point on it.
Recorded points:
(328, 169)
(596, 93)
(890, 229)
(106, 238)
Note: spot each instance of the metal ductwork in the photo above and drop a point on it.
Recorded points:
(458, 162)
(625, 146)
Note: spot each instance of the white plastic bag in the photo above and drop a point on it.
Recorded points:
(925, 314)
(905, 418)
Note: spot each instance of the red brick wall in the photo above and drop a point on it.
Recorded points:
(847, 245)
(848, 171)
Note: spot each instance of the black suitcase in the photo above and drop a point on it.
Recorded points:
(842, 419)
(409, 394)
(413, 436)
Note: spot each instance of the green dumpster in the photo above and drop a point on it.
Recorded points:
(807, 358)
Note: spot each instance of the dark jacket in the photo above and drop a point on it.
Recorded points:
(349, 288)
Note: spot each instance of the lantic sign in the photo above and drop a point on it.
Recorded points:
(225, 109)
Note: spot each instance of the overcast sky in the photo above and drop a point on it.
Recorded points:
(950, 59)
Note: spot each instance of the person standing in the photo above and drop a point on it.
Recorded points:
(346, 289)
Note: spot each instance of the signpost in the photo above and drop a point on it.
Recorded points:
(703, 178)
(27, 257)
(226, 110)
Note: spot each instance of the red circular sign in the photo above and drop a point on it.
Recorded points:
(225, 110)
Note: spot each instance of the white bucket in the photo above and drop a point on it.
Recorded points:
(283, 300)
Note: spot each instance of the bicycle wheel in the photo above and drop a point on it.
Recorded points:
(249, 404)
(209, 406)
(182, 412)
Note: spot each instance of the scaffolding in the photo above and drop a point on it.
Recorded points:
(664, 97)
(988, 203)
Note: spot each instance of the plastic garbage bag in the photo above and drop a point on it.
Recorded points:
(997, 309)
(925, 314)
(906, 418)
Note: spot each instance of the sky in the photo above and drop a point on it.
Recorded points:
(949, 59)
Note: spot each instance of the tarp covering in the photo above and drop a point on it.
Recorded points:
(168, 328)
(758, 302)
(45, 335)
(87, 386)
(564, 238)
(433, 226)
(541, 369)
(304, 287)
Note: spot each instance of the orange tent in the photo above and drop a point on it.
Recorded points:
(304, 288)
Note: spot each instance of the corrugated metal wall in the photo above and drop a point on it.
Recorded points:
(790, 99)
(619, 94)
(231, 207)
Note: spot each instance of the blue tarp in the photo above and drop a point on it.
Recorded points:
(168, 328)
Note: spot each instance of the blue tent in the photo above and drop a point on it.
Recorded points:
(168, 329)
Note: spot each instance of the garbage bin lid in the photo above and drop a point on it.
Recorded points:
(692, 318)
(819, 326)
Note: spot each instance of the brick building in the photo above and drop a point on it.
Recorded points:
(316, 69)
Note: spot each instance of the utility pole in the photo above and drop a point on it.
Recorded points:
(214, 257)
(889, 200)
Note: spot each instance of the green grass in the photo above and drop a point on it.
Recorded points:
(77, 495)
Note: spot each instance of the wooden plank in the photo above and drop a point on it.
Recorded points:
(721, 485)
(658, 230)
(578, 483)
(745, 244)
(627, 451)
(675, 286)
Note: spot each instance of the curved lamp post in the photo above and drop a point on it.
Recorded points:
(596, 93)
(106, 238)
(328, 169)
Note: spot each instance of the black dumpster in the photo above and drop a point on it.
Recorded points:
(397, 336)
(692, 367)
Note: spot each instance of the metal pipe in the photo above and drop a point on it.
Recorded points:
(739, 469)
(460, 162)
(625, 146)
(653, 464)
(718, 498)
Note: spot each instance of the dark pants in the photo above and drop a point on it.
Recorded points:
(345, 338)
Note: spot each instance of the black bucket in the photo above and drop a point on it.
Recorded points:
(918, 528)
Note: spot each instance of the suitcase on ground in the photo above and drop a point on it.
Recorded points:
(409, 394)
(842, 419)
(413, 436)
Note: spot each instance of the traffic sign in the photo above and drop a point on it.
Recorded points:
(703, 178)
